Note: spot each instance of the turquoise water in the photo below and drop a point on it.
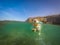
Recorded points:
(20, 33)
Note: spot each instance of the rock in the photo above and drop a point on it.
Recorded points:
(53, 19)
(42, 19)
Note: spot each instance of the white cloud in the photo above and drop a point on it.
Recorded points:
(11, 14)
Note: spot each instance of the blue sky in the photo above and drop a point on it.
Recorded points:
(20, 10)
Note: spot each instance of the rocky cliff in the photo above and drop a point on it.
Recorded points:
(53, 19)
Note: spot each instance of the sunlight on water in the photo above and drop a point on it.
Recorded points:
(40, 39)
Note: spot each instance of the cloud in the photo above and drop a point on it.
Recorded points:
(11, 14)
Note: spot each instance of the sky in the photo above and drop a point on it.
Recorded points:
(20, 10)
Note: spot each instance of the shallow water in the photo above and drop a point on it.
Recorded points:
(20, 33)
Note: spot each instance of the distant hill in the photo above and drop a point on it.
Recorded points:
(53, 19)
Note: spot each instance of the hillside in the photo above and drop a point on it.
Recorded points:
(20, 33)
(53, 19)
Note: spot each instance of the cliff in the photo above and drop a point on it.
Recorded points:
(53, 19)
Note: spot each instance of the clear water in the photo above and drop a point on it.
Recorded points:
(20, 33)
